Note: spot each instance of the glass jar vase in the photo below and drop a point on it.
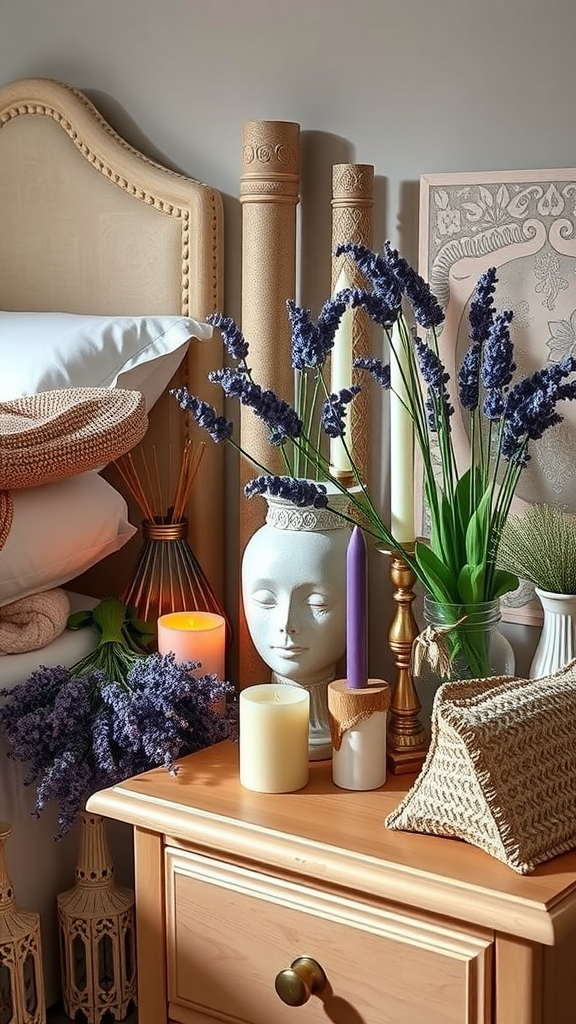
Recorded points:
(460, 641)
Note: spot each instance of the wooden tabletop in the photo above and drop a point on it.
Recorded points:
(338, 838)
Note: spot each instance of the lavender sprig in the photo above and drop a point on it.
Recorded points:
(427, 310)
(530, 408)
(334, 411)
(205, 415)
(498, 363)
(434, 375)
(313, 342)
(469, 377)
(377, 270)
(376, 368)
(482, 307)
(299, 492)
(234, 341)
(280, 417)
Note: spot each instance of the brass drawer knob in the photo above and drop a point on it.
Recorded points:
(298, 982)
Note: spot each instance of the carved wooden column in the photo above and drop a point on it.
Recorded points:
(352, 203)
(269, 192)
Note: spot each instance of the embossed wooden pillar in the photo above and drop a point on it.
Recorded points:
(352, 204)
(269, 192)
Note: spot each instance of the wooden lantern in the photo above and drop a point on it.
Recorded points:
(21, 978)
(96, 925)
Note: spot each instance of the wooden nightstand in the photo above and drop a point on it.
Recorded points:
(233, 886)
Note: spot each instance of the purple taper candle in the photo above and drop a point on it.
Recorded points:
(356, 611)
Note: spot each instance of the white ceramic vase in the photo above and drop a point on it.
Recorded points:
(294, 595)
(557, 644)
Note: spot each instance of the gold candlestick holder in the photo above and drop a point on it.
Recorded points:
(406, 744)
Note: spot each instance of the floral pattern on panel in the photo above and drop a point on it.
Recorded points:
(562, 340)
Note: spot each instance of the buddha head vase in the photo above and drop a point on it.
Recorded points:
(294, 595)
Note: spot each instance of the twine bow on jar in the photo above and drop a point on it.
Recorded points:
(430, 645)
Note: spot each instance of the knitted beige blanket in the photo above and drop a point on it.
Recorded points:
(33, 622)
(56, 434)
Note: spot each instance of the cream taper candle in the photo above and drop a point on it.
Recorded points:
(194, 636)
(401, 447)
(341, 375)
(273, 741)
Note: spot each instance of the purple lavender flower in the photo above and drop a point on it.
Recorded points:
(299, 492)
(334, 411)
(498, 364)
(205, 415)
(493, 405)
(376, 306)
(378, 272)
(234, 341)
(481, 306)
(82, 733)
(431, 367)
(391, 276)
(159, 723)
(438, 405)
(306, 347)
(232, 382)
(426, 308)
(379, 370)
(313, 342)
(469, 377)
(531, 408)
(276, 413)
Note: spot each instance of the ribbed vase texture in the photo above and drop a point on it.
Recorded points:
(557, 644)
(168, 577)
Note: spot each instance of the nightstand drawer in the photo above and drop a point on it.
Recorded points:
(230, 931)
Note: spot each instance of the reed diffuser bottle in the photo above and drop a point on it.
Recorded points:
(167, 575)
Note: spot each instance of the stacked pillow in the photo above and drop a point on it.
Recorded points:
(61, 529)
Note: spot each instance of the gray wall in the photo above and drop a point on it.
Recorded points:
(411, 86)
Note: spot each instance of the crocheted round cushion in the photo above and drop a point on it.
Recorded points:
(55, 434)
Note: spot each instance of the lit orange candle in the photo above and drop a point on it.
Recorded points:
(194, 636)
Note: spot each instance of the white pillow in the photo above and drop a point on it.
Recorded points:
(58, 531)
(44, 351)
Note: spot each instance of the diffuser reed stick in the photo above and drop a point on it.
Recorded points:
(145, 482)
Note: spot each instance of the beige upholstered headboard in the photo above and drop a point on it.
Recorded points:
(88, 224)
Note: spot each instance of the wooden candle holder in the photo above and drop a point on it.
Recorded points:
(406, 746)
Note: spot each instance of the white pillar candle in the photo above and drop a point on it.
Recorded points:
(358, 720)
(401, 448)
(341, 375)
(360, 763)
(274, 737)
(194, 636)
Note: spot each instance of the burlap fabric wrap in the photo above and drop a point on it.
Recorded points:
(55, 434)
(500, 772)
(348, 707)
